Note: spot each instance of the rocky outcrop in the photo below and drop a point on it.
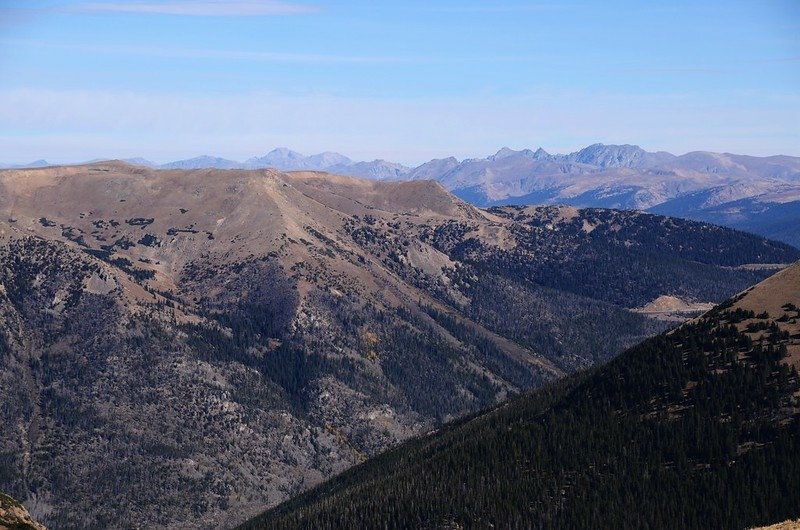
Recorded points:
(14, 516)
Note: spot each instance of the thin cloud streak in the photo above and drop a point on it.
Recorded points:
(263, 56)
(208, 8)
(499, 8)
(207, 53)
(293, 57)
(281, 57)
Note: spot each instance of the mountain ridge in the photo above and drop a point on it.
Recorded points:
(237, 336)
(738, 191)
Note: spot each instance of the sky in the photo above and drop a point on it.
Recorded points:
(403, 81)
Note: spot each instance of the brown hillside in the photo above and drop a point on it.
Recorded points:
(777, 296)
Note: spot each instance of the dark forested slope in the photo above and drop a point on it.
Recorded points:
(697, 428)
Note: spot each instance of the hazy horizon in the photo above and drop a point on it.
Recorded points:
(267, 151)
(170, 80)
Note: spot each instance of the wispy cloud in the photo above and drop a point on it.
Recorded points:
(499, 8)
(258, 56)
(266, 56)
(203, 8)
(209, 53)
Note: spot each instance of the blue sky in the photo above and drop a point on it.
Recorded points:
(405, 81)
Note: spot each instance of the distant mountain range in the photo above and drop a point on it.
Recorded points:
(287, 160)
(34, 164)
(755, 194)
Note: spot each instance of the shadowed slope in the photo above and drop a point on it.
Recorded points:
(696, 428)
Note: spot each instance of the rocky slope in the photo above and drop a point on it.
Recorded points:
(695, 428)
(182, 348)
(14, 516)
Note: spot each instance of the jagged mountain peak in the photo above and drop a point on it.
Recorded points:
(541, 154)
(504, 152)
(286, 159)
(279, 158)
(284, 152)
(605, 156)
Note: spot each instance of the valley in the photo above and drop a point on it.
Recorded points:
(187, 347)
(696, 428)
